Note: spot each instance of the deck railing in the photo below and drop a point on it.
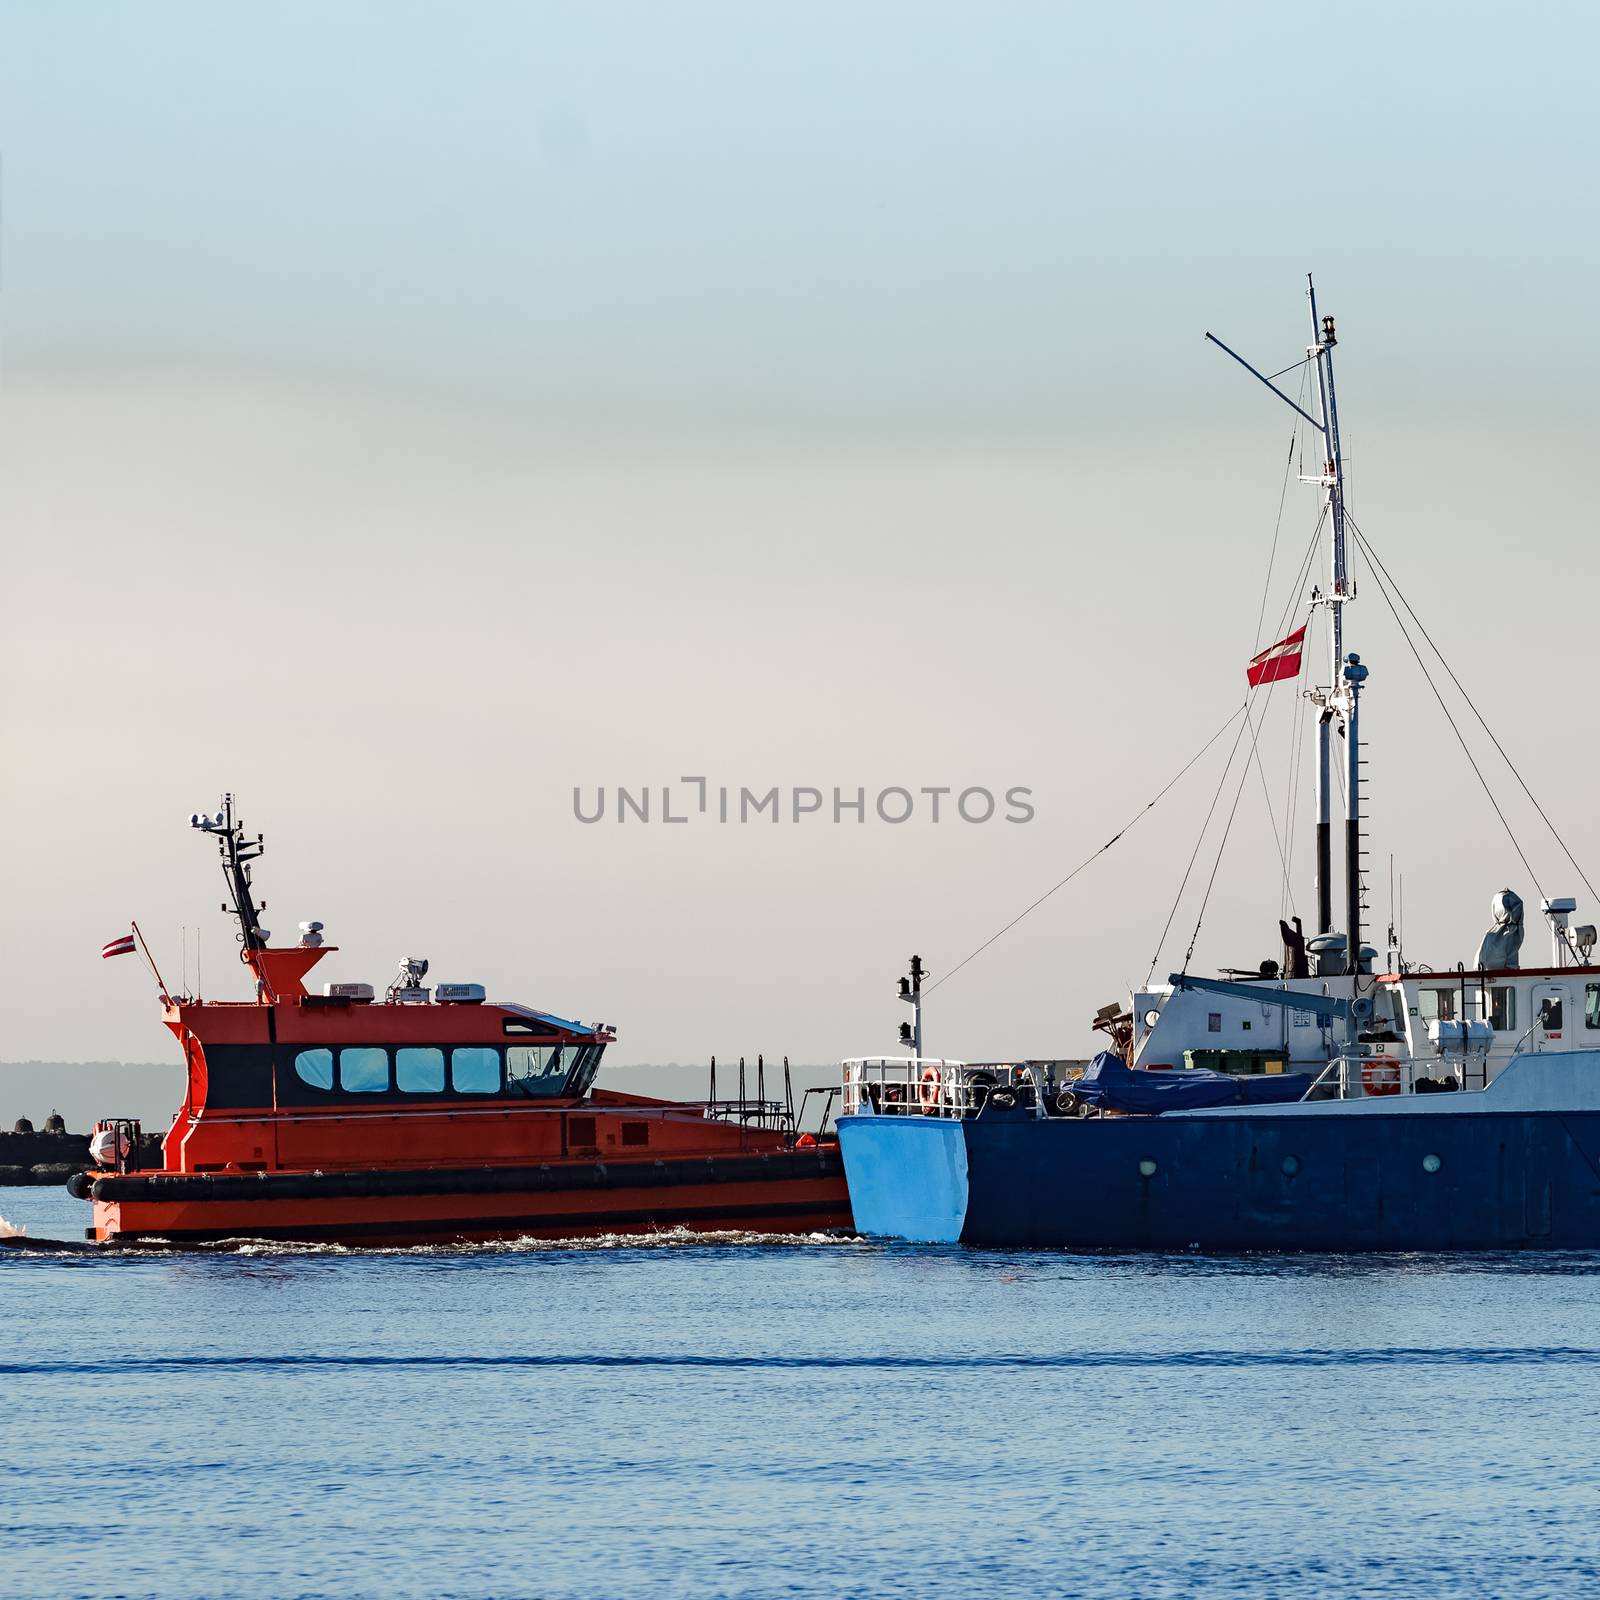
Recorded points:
(899, 1085)
(1352, 1076)
(931, 1086)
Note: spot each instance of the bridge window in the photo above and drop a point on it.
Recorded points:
(586, 1071)
(1436, 1005)
(475, 1069)
(1503, 1008)
(364, 1070)
(419, 1070)
(538, 1069)
(1591, 1006)
(315, 1067)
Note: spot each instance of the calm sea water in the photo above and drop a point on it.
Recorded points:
(795, 1418)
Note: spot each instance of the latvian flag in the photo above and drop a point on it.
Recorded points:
(1280, 660)
(119, 947)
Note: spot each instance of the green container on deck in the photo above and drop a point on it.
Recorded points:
(1252, 1062)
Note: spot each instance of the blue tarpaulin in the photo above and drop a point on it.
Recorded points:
(1110, 1083)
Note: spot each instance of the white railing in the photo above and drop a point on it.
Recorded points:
(1351, 1076)
(898, 1085)
(925, 1086)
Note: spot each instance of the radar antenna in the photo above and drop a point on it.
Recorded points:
(237, 853)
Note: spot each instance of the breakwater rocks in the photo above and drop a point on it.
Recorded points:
(52, 1158)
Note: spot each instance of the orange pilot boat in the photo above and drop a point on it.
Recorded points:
(429, 1116)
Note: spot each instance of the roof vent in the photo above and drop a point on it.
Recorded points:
(348, 991)
(459, 994)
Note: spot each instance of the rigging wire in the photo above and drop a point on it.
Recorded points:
(1136, 817)
(1465, 750)
(1378, 566)
(1305, 564)
(1285, 851)
(1261, 616)
(1266, 794)
(1305, 567)
(1227, 828)
(1272, 556)
(1296, 764)
(1290, 801)
(1287, 895)
(1195, 855)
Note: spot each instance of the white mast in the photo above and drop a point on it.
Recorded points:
(1320, 350)
(1340, 697)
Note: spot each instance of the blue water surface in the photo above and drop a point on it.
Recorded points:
(802, 1417)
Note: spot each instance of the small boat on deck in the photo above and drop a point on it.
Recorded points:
(427, 1116)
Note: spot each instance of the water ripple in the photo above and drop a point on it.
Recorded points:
(1401, 1356)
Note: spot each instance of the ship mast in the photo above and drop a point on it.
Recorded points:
(1342, 697)
(1339, 700)
(237, 853)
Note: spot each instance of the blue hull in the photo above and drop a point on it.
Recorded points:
(1301, 1177)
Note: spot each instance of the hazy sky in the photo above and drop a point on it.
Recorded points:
(411, 412)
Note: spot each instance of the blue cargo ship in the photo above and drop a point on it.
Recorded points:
(1515, 1165)
(1329, 1099)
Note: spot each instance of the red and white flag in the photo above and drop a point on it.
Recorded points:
(1280, 660)
(119, 947)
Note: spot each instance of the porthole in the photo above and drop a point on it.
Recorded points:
(1431, 1163)
(1151, 1017)
(1147, 1168)
(1291, 1165)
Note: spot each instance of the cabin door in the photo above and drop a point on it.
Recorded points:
(1552, 1006)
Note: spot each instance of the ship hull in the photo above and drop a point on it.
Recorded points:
(1296, 1180)
(780, 1192)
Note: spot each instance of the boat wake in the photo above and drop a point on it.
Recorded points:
(666, 1239)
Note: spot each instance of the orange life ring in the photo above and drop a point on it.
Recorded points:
(928, 1089)
(1380, 1075)
(806, 1141)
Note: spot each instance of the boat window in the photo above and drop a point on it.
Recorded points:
(475, 1069)
(538, 1069)
(364, 1070)
(1591, 1006)
(419, 1070)
(1550, 1013)
(1503, 1007)
(583, 1075)
(315, 1067)
(1436, 1005)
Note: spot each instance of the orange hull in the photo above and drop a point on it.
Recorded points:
(789, 1192)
